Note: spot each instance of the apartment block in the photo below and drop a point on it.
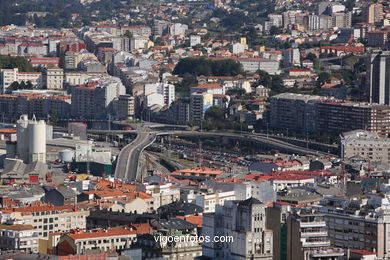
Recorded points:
(18, 237)
(353, 224)
(339, 117)
(294, 112)
(307, 238)
(48, 219)
(199, 103)
(9, 76)
(377, 83)
(126, 106)
(116, 238)
(244, 221)
(367, 145)
(53, 78)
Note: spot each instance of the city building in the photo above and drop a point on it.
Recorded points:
(373, 13)
(47, 219)
(307, 238)
(116, 238)
(243, 221)
(340, 117)
(291, 57)
(126, 107)
(53, 78)
(95, 99)
(9, 76)
(377, 84)
(358, 223)
(366, 145)
(199, 103)
(195, 40)
(18, 237)
(294, 111)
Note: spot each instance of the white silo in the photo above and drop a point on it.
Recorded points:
(37, 140)
(66, 155)
(22, 138)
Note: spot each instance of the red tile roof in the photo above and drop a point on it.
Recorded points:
(208, 86)
(115, 231)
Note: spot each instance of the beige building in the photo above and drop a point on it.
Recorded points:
(18, 237)
(366, 145)
(9, 76)
(373, 13)
(80, 77)
(47, 219)
(53, 78)
(163, 194)
(118, 238)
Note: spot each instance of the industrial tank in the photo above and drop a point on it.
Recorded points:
(22, 137)
(66, 155)
(37, 140)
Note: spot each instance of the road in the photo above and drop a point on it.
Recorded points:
(128, 159)
(271, 142)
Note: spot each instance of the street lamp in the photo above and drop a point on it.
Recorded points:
(267, 130)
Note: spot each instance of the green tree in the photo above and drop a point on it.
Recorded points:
(215, 113)
(128, 34)
(323, 78)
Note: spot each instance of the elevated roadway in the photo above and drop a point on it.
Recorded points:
(128, 158)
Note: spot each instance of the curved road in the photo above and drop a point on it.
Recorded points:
(128, 158)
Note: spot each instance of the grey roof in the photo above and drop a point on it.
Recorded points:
(176, 223)
(14, 167)
(180, 208)
(17, 169)
(249, 202)
(66, 192)
(37, 166)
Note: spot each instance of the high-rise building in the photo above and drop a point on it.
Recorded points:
(342, 20)
(126, 106)
(199, 103)
(291, 57)
(373, 13)
(245, 223)
(378, 81)
(307, 238)
(340, 117)
(95, 98)
(294, 111)
(276, 20)
(277, 216)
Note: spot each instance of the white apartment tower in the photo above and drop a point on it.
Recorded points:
(244, 223)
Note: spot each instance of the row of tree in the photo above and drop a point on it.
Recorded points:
(207, 67)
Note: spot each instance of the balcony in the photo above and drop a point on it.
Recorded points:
(313, 224)
(315, 243)
(331, 252)
(314, 234)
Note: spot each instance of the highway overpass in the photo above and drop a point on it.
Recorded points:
(128, 159)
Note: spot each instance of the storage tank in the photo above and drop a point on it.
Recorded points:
(66, 155)
(22, 138)
(37, 140)
(49, 132)
(78, 129)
